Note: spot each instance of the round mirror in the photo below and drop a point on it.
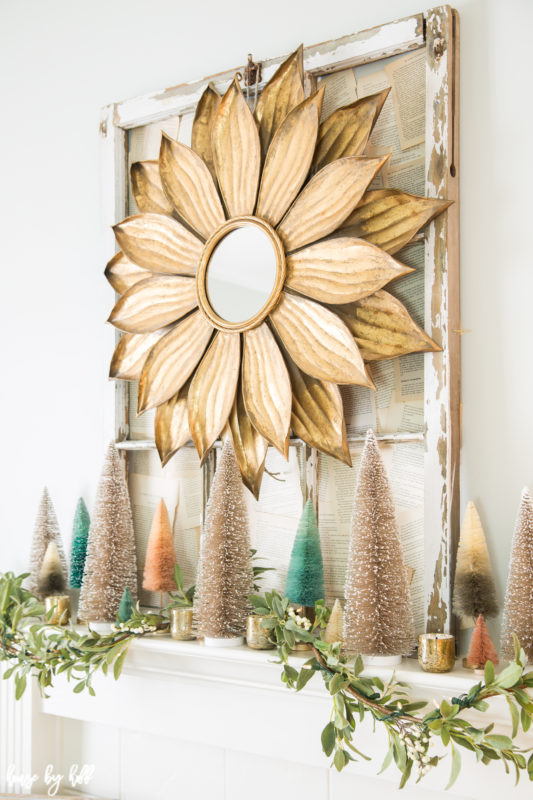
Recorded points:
(241, 274)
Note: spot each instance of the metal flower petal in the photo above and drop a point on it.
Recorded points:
(249, 446)
(171, 425)
(147, 188)
(317, 413)
(390, 218)
(319, 343)
(383, 328)
(153, 303)
(341, 270)
(189, 187)
(172, 360)
(266, 387)
(236, 152)
(281, 94)
(202, 127)
(159, 244)
(289, 159)
(130, 354)
(212, 390)
(327, 200)
(346, 131)
(122, 273)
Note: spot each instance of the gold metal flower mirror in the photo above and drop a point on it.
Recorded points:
(251, 282)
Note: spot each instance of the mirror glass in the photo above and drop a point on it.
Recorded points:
(241, 274)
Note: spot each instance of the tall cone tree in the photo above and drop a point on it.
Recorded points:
(378, 616)
(518, 608)
(80, 535)
(305, 576)
(225, 569)
(160, 554)
(481, 646)
(45, 531)
(474, 589)
(52, 575)
(335, 628)
(111, 563)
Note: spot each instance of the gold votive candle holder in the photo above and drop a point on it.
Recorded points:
(256, 635)
(181, 624)
(59, 604)
(436, 652)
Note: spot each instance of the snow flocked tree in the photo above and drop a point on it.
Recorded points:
(518, 608)
(45, 531)
(225, 570)
(160, 554)
(378, 616)
(111, 563)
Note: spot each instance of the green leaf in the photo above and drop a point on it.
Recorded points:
(337, 683)
(515, 716)
(530, 767)
(20, 686)
(406, 773)
(481, 705)
(303, 678)
(456, 767)
(328, 738)
(490, 675)
(178, 576)
(509, 676)
(117, 666)
(79, 687)
(445, 735)
(387, 760)
(339, 760)
(499, 742)
(525, 719)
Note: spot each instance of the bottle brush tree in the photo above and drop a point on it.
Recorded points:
(305, 576)
(378, 615)
(518, 607)
(225, 575)
(160, 554)
(125, 609)
(78, 553)
(52, 575)
(335, 628)
(474, 593)
(45, 531)
(111, 563)
(481, 646)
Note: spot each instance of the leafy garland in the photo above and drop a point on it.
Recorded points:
(44, 651)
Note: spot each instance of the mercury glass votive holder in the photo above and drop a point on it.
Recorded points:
(181, 624)
(59, 604)
(256, 635)
(436, 652)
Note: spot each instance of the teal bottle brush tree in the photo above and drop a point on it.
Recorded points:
(80, 533)
(305, 578)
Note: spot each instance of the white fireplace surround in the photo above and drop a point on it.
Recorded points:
(184, 720)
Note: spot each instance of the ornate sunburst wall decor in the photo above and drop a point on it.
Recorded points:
(278, 187)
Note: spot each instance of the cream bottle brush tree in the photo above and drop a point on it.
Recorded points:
(51, 576)
(46, 530)
(225, 577)
(518, 608)
(111, 562)
(378, 616)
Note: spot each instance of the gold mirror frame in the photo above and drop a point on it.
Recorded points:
(306, 182)
(201, 276)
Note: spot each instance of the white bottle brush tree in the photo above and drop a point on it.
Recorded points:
(378, 615)
(225, 579)
(46, 530)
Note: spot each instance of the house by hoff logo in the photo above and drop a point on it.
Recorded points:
(52, 779)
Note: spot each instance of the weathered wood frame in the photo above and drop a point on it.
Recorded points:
(437, 31)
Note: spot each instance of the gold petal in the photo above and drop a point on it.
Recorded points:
(389, 218)
(122, 273)
(249, 446)
(329, 197)
(317, 340)
(317, 414)
(266, 387)
(202, 126)
(346, 131)
(341, 270)
(130, 354)
(282, 93)
(236, 152)
(154, 303)
(171, 425)
(383, 328)
(159, 244)
(172, 360)
(213, 390)
(189, 187)
(289, 159)
(147, 188)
